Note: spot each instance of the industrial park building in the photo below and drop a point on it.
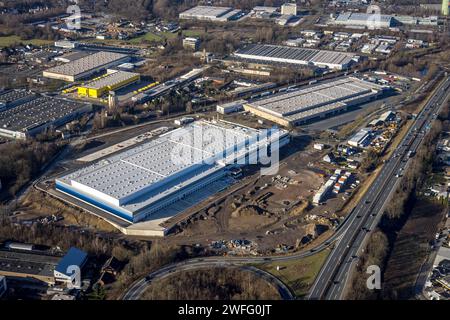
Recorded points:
(364, 20)
(12, 98)
(191, 43)
(113, 80)
(299, 56)
(361, 139)
(230, 107)
(36, 265)
(24, 113)
(135, 184)
(86, 66)
(210, 13)
(314, 102)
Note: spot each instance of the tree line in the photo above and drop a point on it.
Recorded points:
(21, 161)
(212, 284)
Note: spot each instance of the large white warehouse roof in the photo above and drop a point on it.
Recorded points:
(210, 13)
(137, 178)
(315, 100)
(88, 63)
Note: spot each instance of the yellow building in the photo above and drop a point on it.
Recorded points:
(110, 82)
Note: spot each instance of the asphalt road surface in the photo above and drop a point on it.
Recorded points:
(139, 287)
(364, 215)
(332, 279)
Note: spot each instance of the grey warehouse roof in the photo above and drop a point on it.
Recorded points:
(29, 263)
(85, 64)
(10, 96)
(294, 55)
(356, 17)
(37, 112)
(316, 98)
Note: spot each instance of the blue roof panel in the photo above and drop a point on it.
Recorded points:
(74, 257)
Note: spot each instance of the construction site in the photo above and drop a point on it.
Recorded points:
(275, 213)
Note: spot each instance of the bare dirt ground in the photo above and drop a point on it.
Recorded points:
(269, 210)
(36, 206)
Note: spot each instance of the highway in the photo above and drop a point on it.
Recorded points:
(343, 238)
(139, 287)
(333, 277)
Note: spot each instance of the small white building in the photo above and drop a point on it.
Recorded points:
(191, 43)
(183, 121)
(322, 193)
(319, 146)
(384, 49)
(289, 9)
(63, 297)
(231, 107)
(297, 42)
(329, 158)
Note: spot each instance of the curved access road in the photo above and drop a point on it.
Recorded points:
(139, 287)
(362, 216)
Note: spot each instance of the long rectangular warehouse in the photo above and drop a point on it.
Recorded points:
(317, 101)
(137, 183)
(33, 115)
(85, 67)
(300, 56)
(370, 21)
(209, 13)
(111, 81)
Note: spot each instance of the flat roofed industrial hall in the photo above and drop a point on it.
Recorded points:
(136, 183)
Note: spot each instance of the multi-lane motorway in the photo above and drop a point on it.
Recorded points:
(334, 275)
(350, 235)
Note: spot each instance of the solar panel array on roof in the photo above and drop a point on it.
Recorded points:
(305, 56)
(10, 96)
(37, 112)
